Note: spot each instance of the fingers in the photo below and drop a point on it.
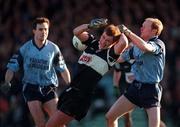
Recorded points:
(124, 29)
(98, 23)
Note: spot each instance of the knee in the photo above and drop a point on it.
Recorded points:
(40, 125)
(109, 118)
(111, 121)
(48, 125)
(154, 123)
(127, 117)
(162, 124)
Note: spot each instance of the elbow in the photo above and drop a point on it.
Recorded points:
(145, 49)
(121, 47)
(80, 29)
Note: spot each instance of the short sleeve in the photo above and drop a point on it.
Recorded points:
(59, 62)
(15, 62)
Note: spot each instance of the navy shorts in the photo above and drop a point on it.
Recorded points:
(41, 93)
(74, 103)
(144, 95)
(123, 86)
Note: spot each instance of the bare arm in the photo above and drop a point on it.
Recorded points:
(116, 78)
(139, 42)
(66, 76)
(120, 60)
(81, 32)
(9, 75)
(121, 45)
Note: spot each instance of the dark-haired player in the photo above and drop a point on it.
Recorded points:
(40, 59)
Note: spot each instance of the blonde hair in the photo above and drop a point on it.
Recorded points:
(156, 24)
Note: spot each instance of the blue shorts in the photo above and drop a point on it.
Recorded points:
(144, 95)
(41, 93)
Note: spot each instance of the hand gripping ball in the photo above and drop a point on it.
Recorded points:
(78, 44)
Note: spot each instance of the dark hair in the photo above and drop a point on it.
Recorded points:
(113, 31)
(40, 20)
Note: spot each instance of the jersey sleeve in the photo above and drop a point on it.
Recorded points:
(59, 62)
(157, 49)
(15, 62)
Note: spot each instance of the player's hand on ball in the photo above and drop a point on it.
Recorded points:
(78, 44)
(5, 87)
(98, 23)
(124, 29)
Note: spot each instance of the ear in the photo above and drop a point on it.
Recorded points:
(154, 31)
(116, 38)
(33, 31)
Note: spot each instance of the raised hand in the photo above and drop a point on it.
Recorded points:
(98, 23)
(124, 29)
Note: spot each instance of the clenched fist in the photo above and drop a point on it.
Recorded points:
(124, 29)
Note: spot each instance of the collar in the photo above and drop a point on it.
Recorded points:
(33, 42)
(153, 38)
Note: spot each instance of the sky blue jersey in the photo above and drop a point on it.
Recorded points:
(148, 66)
(39, 64)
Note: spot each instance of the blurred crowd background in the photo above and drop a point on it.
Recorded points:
(16, 17)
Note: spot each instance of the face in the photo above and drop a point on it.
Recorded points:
(105, 41)
(41, 32)
(146, 30)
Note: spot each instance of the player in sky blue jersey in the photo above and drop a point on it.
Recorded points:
(40, 59)
(149, 54)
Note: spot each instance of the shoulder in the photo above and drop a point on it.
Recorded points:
(157, 43)
(53, 45)
(26, 45)
(160, 42)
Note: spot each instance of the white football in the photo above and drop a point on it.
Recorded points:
(78, 44)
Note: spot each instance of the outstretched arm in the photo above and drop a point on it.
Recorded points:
(139, 42)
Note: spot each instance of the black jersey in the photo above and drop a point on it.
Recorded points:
(123, 67)
(92, 65)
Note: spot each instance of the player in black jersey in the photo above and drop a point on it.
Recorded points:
(95, 61)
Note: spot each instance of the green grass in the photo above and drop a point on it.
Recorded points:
(139, 119)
